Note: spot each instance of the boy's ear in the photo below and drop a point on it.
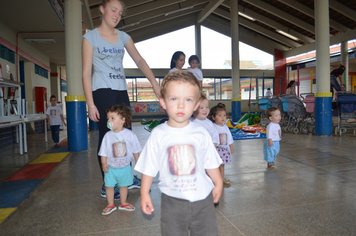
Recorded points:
(270, 118)
(197, 105)
(162, 103)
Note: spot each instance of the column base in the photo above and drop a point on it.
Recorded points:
(77, 127)
(323, 114)
(235, 109)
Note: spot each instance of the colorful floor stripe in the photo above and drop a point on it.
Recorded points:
(17, 187)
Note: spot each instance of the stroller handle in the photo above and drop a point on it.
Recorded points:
(303, 95)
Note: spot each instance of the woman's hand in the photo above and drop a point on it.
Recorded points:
(93, 113)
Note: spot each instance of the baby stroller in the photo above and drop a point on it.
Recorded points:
(308, 123)
(296, 113)
(264, 103)
(346, 102)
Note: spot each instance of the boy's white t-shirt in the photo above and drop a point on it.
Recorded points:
(272, 131)
(197, 72)
(181, 156)
(225, 137)
(54, 113)
(119, 147)
(209, 126)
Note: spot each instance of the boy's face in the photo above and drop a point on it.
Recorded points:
(275, 117)
(53, 101)
(203, 110)
(180, 102)
(194, 64)
(117, 122)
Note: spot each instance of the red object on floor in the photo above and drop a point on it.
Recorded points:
(33, 171)
(249, 129)
(64, 143)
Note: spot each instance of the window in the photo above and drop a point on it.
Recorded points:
(217, 88)
(7, 54)
(140, 90)
(41, 72)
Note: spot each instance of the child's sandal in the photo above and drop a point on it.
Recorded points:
(126, 207)
(108, 210)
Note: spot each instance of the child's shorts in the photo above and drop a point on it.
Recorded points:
(270, 152)
(224, 155)
(178, 216)
(121, 176)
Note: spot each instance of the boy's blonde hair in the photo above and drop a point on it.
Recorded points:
(270, 110)
(180, 76)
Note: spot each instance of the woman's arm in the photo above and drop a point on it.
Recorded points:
(87, 56)
(142, 65)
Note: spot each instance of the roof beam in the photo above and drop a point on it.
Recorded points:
(342, 9)
(86, 15)
(267, 21)
(281, 14)
(208, 10)
(138, 10)
(349, 35)
(259, 29)
(246, 36)
(160, 19)
(310, 12)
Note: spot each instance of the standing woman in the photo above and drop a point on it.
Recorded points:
(103, 49)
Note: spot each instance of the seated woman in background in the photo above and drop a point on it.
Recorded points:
(291, 88)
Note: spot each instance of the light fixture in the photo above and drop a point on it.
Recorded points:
(179, 10)
(129, 25)
(40, 40)
(287, 35)
(246, 16)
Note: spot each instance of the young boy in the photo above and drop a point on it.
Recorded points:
(54, 115)
(182, 152)
(117, 149)
(269, 92)
(271, 145)
(194, 63)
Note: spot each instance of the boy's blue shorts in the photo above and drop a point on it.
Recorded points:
(270, 152)
(122, 177)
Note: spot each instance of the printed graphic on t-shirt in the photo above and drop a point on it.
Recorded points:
(53, 112)
(119, 152)
(181, 159)
(223, 139)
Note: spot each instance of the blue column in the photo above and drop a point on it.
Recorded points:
(323, 114)
(77, 127)
(235, 109)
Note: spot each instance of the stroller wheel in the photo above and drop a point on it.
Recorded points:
(343, 130)
(336, 130)
(296, 130)
(286, 129)
(304, 130)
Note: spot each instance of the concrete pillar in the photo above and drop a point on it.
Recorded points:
(198, 43)
(75, 101)
(55, 82)
(323, 96)
(345, 62)
(235, 62)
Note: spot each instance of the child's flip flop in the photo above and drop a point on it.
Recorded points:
(110, 208)
(127, 207)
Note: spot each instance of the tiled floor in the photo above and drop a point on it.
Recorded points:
(312, 191)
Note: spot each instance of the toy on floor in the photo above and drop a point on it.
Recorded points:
(151, 124)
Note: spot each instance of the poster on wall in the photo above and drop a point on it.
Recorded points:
(153, 107)
(140, 107)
